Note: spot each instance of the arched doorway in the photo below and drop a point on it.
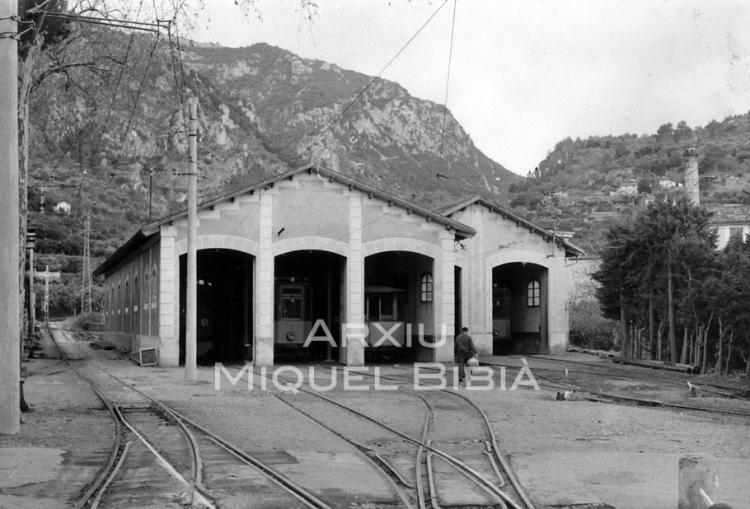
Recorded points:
(307, 294)
(399, 305)
(225, 306)
(519, 308)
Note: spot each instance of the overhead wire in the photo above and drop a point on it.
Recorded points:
(174, 72)
(448, 78)
(117, 84)
(372, 81)
(114, 23)
(138, 94)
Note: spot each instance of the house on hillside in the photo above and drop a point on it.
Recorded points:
(629, 188)
(62, 207)
(666, 184)
(730, 220)
(311, 253)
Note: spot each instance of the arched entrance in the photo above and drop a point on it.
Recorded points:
(307, 294)
(519, 308)
(225, 306)
(399, 305)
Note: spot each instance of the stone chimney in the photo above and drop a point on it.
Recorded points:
(692, 186)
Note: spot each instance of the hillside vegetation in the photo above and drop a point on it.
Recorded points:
(582, 185)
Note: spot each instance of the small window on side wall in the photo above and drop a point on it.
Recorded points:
(425, 287)
(533, 294)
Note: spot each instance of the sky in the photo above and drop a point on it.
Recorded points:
(525, 74)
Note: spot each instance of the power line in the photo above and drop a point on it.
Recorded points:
(377, 76)
(179, 60)
(174, 73)
(110, 22)
(138, 94)
(117, 84)
(448, 77)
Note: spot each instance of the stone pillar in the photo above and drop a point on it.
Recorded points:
(696, 474)
(557, 295)
(479, 287)
(352, 351)
(444, 299)
(264, 284)
(169, 298)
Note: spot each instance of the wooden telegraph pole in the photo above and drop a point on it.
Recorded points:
(191, 296)
(10, 345)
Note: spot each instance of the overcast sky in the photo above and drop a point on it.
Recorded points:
(528, 73)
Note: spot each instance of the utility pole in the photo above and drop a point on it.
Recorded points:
(46, 276)
(191, 296)
(30, 245)
(150, 191)
(10, 346)
(86, 265)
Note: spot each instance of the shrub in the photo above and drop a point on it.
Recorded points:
(89, 321)
(590, 329)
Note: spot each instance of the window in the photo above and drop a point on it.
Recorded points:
(425, 287)
(291, 302)
(154, 286)
(533, 294)
(737, 231)
(381, 307)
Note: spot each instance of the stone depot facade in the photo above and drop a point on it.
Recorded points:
(313, 248)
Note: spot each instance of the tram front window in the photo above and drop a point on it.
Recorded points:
(291, 308)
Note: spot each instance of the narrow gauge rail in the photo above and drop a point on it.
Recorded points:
(144, 422)
(389, 473)
(503, 499)
(650, 374)
(596, 395)
(499, 465)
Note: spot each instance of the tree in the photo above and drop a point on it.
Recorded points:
(665, 131)
(647, 268)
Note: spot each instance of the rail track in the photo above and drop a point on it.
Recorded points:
(152, 466)
(571, 379)
(640, 373)
(476, 458)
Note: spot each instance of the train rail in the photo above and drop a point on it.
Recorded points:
(642, 372)
(153, 448)
(552, 380)
(425, 449)
(499, 465)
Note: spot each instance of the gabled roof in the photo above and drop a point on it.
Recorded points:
(133, 243)
(729, 214)
(142, 235)
(570, 248)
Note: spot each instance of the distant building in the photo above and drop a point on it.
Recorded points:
(668, 184)
(730, 220)
(62, 207)
(627, 189)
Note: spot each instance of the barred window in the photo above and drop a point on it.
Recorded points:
(533, 294)
(425, 287)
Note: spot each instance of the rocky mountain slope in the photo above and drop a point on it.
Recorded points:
(110, 138)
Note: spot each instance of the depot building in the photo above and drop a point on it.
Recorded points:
(292, 267)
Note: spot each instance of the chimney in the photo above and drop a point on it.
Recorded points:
(692, 189)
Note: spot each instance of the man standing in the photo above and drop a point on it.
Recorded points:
(463, 350)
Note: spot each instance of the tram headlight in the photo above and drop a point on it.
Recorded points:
(290, 336)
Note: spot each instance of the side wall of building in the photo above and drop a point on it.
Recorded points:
(131, 299)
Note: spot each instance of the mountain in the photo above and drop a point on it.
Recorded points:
(586, 184)
(110, 137)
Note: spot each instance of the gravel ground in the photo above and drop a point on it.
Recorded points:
(564, 452)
